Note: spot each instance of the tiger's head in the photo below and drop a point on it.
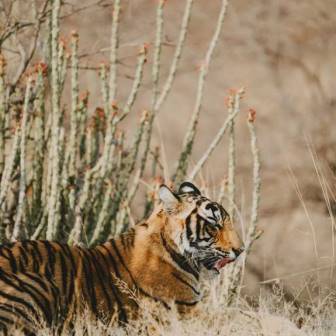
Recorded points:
(200, 228)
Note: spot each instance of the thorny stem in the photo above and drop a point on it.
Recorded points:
(234, 105)
(114, 50)
(53, 205)
(177, 55)
(190, 135)
(18, 231)
(213, 144)
(2, 113)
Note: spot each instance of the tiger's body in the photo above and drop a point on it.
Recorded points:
(161, 258)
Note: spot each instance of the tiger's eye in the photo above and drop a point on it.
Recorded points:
(212, 229)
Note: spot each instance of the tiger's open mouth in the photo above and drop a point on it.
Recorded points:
(216, 264)
(219, 264)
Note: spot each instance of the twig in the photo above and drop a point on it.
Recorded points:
(27, 57)
(155, 81)
(190, 135)
(142, 58)
(38, 203)
(215, 142)
(256, 181)
(18, 231)
(72, 148)
(114, 50)
(177, 55)
(233, 103)
(55, 77)
(2, 113)
(10, 165)
(235, 276)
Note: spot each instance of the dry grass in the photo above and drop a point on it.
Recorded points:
(271, 315)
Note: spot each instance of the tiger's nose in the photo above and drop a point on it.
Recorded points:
(237, 252)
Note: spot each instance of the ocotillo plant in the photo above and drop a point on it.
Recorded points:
(77, 183)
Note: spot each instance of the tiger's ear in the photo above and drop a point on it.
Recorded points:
(188, 187)
(169, 200)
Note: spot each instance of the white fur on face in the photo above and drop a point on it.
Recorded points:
(212, 215)
(182, 242)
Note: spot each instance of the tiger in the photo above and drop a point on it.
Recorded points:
(164, 258)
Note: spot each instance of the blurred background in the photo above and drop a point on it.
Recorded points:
(283, 53)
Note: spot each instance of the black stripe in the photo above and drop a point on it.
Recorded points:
(15, 310)
(186, 283)
(23, 255)
(36, 278)
(3, 328)
(31, 251)
(4, 322)
(21, 266)
(179, 259)
(9, 256)
(50, 267)
(12, 260)
(29, 288)
(123, 239)
(69, 253)
(116, 270)
(60, 308)
(121, 259)
(100, 274)
(36, 248)
(203, 230)
(189, 232)
(88, 276)
(121, 311)
(16, 299)
(64, 271)
(184, 303)
(198, 229)
(131, 276)
(71, 291)
(131, 237)
(8, 244)
(71, 281)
